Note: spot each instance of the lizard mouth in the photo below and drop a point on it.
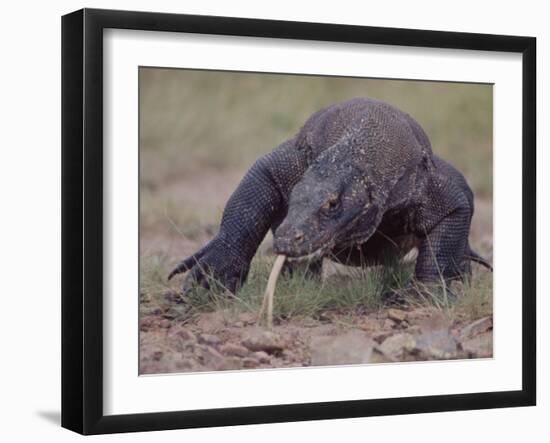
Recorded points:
(309, 257)
(296, 252)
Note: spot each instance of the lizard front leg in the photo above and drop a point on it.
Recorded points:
(442, 250)
(248, 214)
(443, 225)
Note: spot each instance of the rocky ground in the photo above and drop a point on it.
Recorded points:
(219, 340)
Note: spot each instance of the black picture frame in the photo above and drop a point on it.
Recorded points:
(82, 220)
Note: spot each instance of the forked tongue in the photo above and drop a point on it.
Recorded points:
(267, 302)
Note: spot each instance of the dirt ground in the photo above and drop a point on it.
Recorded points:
(219, 341)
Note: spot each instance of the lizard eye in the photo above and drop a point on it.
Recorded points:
(330, 206)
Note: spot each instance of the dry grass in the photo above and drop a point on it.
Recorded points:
(361, 290)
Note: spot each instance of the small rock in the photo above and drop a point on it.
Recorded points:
(388, 323)
(180, 339)
(379, 337)
(232, 363)
(435, 322)
(266, 341)
(234, 350)
(397, 315)
(414, 329)
(288, 355)
(209, 357)
(480, 346)
(262, 357)
(209, 339)
(370, 324)
(278, 363)
(250, 363)
(437, 344)
(171, 313)
(397, 345)
(165, 323)
(417, 314)
(145, 324)
(239, 324)
(355, 347)
(184, 334)
(378, 356)
(477, 327)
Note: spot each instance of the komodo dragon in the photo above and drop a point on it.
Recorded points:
(358, 181)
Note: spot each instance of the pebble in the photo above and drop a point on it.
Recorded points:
(354, 347)
(437, 344)
(266, 341)
(263, 357)
(417, 314)
(288, 355)
(171, 314)
(379, 337)
(208, 356)
(210, 339)
(481, 346)
(184, 334)
(414, 329)
(396, 345)
(232, 363)
(397, 315)
(249, 363)
(378, 356)
(477, 327)
(234, 350)
(145, 324)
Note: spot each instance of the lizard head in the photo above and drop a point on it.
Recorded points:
(325, 208)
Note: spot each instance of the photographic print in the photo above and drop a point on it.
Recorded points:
(296, 221)
(297, 218)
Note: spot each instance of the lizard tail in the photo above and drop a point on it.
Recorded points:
(475, 257)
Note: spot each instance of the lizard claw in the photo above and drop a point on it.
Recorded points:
(212, 266)
(186, 264)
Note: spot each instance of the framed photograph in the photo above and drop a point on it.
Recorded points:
(269, 221)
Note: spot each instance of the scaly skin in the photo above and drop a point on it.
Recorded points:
(357, 182)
